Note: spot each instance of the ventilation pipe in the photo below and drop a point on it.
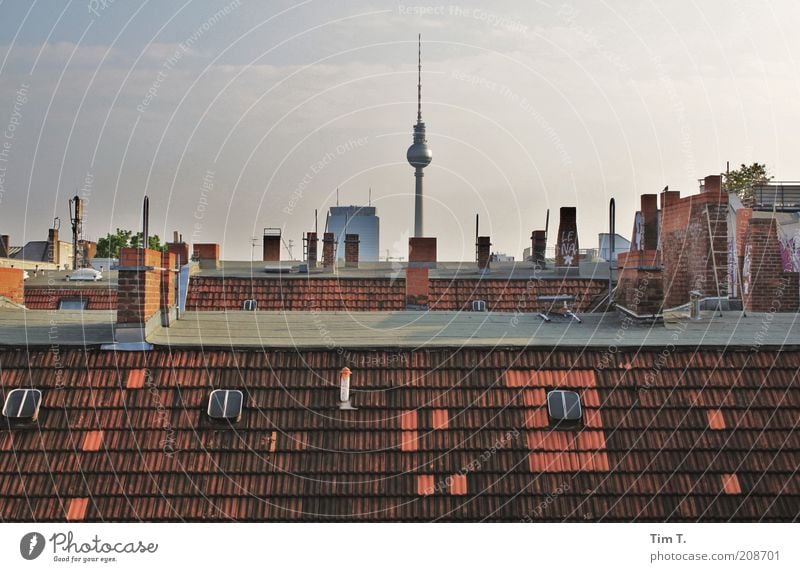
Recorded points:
(694, 305)
(344, 390)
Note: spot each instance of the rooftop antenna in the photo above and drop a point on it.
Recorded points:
(145, 222)
(477, 219)
(546, 224)
(612, 230)
(316, 222)
(419, 78)
(370, 196)
(337, 196)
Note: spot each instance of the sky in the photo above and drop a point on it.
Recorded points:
(238, 115)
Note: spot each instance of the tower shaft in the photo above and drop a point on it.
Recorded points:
(418, 202)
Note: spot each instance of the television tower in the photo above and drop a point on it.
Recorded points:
(419, 155)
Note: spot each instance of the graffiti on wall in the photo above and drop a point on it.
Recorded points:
(569, 248)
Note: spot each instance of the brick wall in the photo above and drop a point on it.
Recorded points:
(351, 250)
(694, 241)
(12, 284)
(139, 287)
(765, 286)
(567, 240)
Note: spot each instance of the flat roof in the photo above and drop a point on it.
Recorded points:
(405, 329)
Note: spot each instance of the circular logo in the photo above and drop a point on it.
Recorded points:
(31, 545)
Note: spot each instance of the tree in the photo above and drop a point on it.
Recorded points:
(110, 245)
(743, 181)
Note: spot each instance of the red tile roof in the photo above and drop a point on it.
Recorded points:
(383, 294)
(49, 298)
(104, 449)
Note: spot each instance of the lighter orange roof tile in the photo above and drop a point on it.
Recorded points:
(425, 485)
(92, 440)
(440, 419)
(715, 419)
(458, 485)
(76, 508)
(408, 420)
(135, 379)
(408, 440)
(730, 484)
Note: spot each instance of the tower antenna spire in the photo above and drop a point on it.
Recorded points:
(419, 78)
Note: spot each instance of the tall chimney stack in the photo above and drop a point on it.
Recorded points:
(351, 242)
(311, 250)
(328, 250)
(484, 248)
(567, 253)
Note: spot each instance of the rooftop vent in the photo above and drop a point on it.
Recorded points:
(85, 275)
(344, 390)
(72, 304)
(479, 305)
(564, 407)
(249, 306)
(225, 405)
(22, 404)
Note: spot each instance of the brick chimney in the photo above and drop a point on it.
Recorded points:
(12, 284)
(640, 282)
(207, 254)
(765, 285)
(139, 294)
(649, 221)
(421, 258)
(5, 246)
(484, 249)
(351, 242)
(538, 247)
(567, 253)
(328, 250)
(421, 252)
(712, 184)
(179, 248)
(53, 246)
(694, 245)
(311, 246)
(272, 245)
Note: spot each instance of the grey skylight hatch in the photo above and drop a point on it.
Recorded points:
(225, 405)
(249, 305)
(564, 406)
(72, 304)
(22, 404)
